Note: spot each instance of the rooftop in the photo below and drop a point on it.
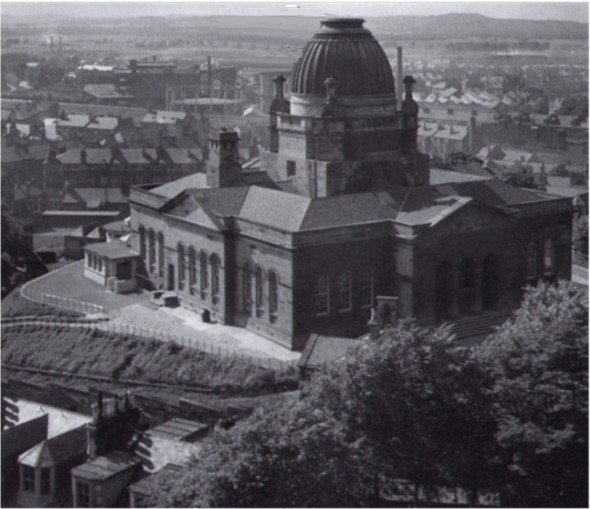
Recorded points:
(180, 430)
(107, 466)
(115, 250)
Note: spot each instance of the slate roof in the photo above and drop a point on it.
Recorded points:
(23, 436)
(94, 195)
(107, 466)
(440, 176)
(130, 156)
(115, 250)
(172, 189)
(179, 429)
(164, 117)
(57, 450)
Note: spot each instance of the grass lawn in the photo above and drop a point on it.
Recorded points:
(81, 351)
(15, 305)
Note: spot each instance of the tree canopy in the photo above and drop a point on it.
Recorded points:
(508, 417)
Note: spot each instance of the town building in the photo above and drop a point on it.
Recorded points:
(342, 217)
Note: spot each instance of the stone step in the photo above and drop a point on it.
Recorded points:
(478, 325)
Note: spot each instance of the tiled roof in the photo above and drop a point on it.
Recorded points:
(274, 208)
(94, 194)
(22, 436)
(104, 467)
(179, 429)
(164, 117)
(57, 450)
(440, 176)
(172, 189)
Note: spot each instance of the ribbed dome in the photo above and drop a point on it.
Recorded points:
(347, 52)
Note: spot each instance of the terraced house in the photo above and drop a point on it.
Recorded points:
(342, 216)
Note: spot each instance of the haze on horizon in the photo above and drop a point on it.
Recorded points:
(567, 11)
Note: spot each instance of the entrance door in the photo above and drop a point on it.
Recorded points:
(170, 277)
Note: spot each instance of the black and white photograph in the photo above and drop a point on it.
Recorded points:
(317, 254)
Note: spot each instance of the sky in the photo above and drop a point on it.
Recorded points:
(574, 11)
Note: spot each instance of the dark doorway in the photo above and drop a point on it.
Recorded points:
(467, 286)
(170, 277)
(444, 291)
(386, 313)
(489, 282)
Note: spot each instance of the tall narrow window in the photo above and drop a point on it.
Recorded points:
(322, 295)
(181, 266)
(45, 481)
(531, 261)
(273, 295)
(82, 494)
(27, 478)
(142, 249)
(367, 288)
(259, 289)
(549, 257)
(204, 274)
(152, 249)
(160, 254)
(215, 264)
(246, 289)
(344, 292)
(192, 270)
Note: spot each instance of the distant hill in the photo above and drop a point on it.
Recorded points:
(460, 26)
(446, 26)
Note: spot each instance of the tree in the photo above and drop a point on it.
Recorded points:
(522, 175)
(286, 457)
(539, 362)
(417, 402)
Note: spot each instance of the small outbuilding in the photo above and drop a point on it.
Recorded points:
(111, 264)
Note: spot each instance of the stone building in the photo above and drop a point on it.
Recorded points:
(342, 214)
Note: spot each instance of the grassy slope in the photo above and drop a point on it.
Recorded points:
(15, 305)
(98, 353)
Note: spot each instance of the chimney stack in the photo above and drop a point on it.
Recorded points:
(400, 74)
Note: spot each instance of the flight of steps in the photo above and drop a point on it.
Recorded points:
(480, 325)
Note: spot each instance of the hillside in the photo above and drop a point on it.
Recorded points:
(445, 26)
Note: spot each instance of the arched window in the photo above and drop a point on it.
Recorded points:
(181, 266)
(192, 270)
(531, 261)
(152, 249)
(273, 295)
(322, 295)
(142, 249)
(548, 257)
(204, 274)
(215, 263)
(344, 292)
(246, 289)
(160, 254)
(259, 290)
(367, 288)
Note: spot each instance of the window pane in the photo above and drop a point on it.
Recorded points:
(322, 295)
(82, 494)
(246, 288)
(344, 291)
(45, 481)
(28, 474)
(367, 290)
(548, 258)
(273, 302)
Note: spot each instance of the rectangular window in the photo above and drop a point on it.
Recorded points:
(291, 168)
(531, 261)
(82, 494)
(344, 292)
(45, 481)
(548, 257)
(322, 296)
(28, 478)
(367, 289)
